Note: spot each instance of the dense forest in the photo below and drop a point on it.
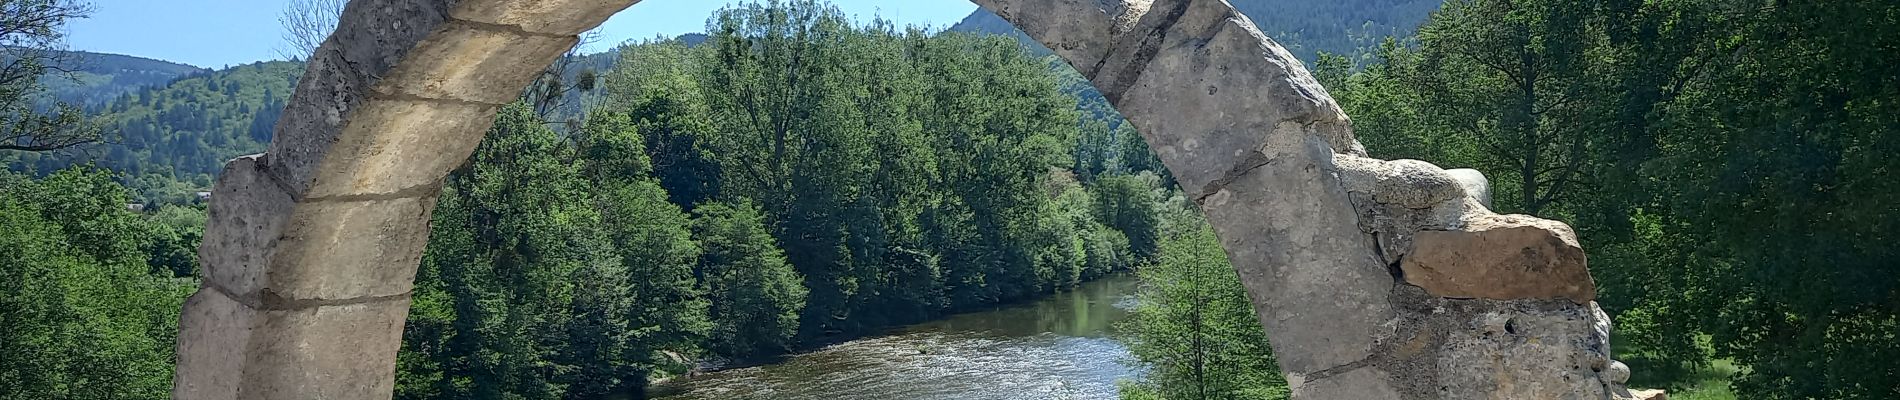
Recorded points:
(1726, 163)
(88, 78)
(168, 141)
(793, 178)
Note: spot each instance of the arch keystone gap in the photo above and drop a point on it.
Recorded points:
(1375, 279)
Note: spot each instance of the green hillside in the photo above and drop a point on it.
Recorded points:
(179, 134)
(97, 78)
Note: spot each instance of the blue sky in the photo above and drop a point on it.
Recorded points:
(217, 33)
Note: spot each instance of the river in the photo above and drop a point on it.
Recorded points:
(1058, 347)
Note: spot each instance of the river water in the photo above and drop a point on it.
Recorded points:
(1058, 347)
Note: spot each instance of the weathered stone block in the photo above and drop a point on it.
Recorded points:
(1410, 184)
(376, 35)
(1080, 31)
(351, 249)
(394, 145)
(246, 216)
(400, 141)
(372, 37)
(266, 242)
(236, 350)
(468, 62)
(1497, 349)
(1476, 185)
(1501, 257)
(1312, 275)
(213, 333)
(1357, 384)
(1208, 92)
(555, 17)
(329, 91)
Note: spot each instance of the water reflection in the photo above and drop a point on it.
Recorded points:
(1059, 347)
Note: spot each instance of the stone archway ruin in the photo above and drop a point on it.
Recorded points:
(1376, 279)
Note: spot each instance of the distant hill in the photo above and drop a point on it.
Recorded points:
(1305, 27)
(181, 130)
(97, 78)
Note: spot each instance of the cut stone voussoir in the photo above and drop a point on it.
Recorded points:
(474, 63)
(1501, 257)
(273, 245)
(236, 351)
(552, 17)
(389, 146)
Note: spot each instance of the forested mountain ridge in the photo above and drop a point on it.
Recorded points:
(96, 78)
(172, 139)
(1304, 27)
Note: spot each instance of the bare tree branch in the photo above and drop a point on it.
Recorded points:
(307, 23)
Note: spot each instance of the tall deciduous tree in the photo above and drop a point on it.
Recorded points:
(1724, 160)
(1518, 77)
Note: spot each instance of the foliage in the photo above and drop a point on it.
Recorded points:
(169, 141)
(841, 179)
(172, 249)
(663, 306)
(755, 295)
(1724, 162)
(88, 79)
(1127, 203)
(515, 250)
(905, 174)
(1195, 329)
(84, 317)
(32, 37)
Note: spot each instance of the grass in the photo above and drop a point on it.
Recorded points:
(1708, 383)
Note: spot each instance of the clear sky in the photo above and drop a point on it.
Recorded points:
(216, 33)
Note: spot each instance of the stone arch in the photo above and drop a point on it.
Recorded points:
(1376, 279)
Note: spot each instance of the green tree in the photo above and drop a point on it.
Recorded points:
(1720, 163)
(756, 296)
(663, 310)
(1127, 203)
(996, 167)
(173, 247)
(1195, 329)
(84, 317)
(515, 256)
(897, 181)
(656, 87)
(1518, 78)
(1778, 168)
(787, 138)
